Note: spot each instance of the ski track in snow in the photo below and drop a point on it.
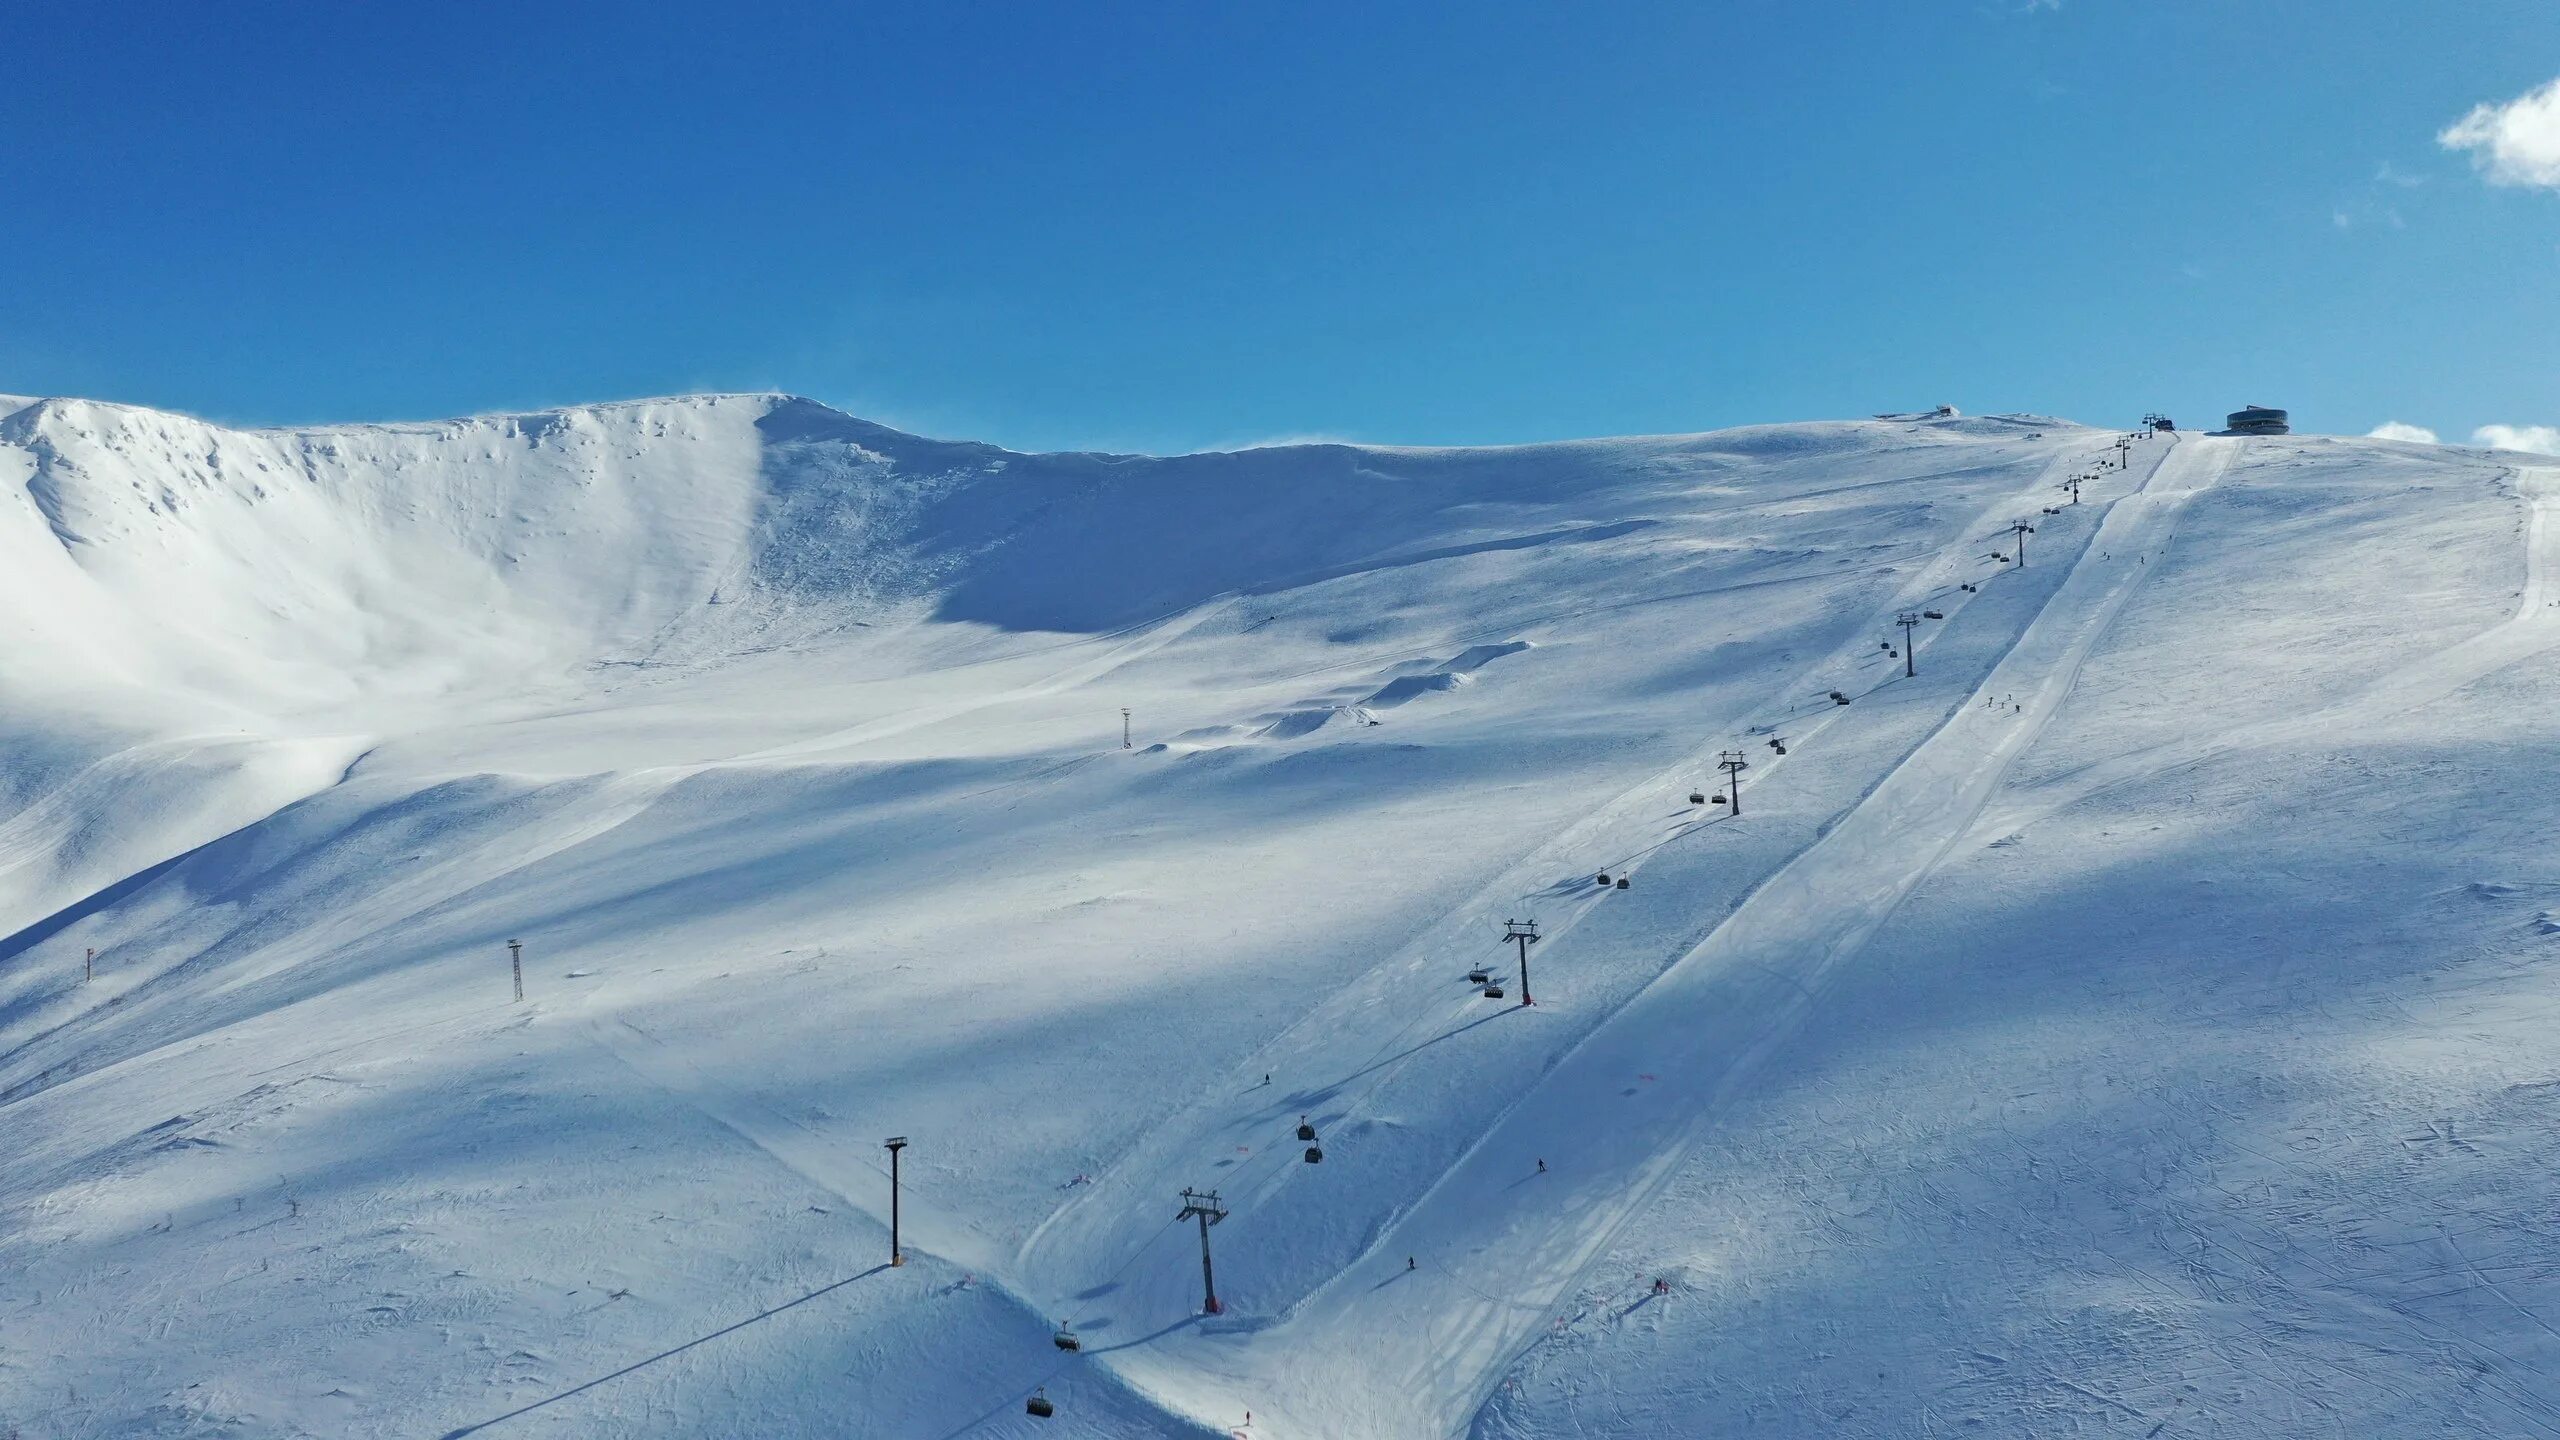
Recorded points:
(1496, 1227)
(1619, 834)
(1376, 1014)
(2534, 628)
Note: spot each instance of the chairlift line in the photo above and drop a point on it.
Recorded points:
(1206, 1207)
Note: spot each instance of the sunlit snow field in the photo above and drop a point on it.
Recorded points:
(2137, 1022)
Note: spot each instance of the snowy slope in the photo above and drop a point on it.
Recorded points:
(2127, 1021)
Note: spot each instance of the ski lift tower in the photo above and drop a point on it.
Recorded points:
(1523, 933)
(1204, 1206)
(1732, 764)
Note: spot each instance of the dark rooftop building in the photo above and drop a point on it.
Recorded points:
(2259, 420)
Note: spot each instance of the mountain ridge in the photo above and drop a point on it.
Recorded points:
(1090, 820)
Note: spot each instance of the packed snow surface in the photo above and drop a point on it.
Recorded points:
(2136, 1021)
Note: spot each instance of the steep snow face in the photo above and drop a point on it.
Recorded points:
(274, 575)
(792, 749)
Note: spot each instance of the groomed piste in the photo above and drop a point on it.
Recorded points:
(2076, 953)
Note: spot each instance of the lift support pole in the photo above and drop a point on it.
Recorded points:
(1209, 1212)
(1526, 933)
(1732, 764)
(893, 1145)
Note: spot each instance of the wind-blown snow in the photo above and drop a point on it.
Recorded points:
(2134, 1022)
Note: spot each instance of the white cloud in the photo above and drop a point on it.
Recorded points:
(2540, 439)
(2394, 430)
(1283, 442)
(2517, 143)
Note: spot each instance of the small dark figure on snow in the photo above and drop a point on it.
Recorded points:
(1542, 1167)
(1408, 1262)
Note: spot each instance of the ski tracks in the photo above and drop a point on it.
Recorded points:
(1617, 837)
(2534, 628)
(1420, 1359)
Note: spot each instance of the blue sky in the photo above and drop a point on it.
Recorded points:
(1192, 224)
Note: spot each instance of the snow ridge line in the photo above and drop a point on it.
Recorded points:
(810, 1155)
(617, 795)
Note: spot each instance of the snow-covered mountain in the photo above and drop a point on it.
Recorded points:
(2132, 1022)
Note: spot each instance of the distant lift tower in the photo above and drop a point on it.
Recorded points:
(1909, 620)
(2022, 530)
